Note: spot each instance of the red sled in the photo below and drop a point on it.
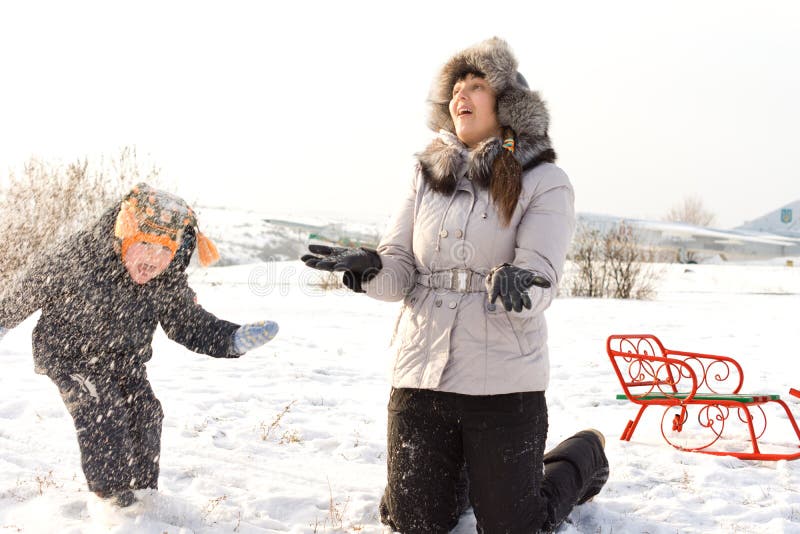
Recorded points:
(689, 386)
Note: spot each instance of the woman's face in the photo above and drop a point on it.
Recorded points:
(472, 109)
(145, 261)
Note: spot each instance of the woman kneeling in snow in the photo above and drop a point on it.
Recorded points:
(487, 220)
(102, 293)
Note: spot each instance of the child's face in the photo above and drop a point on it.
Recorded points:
(145, 261)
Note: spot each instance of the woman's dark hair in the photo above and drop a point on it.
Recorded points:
(506, 184)
(466, 71)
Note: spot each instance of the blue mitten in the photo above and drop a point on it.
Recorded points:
(249, 336)
(3, 332)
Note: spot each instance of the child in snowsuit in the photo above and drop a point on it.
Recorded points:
(102, 293)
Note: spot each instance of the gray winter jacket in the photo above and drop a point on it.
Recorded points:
(436, 254)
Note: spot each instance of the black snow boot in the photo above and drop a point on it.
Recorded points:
(122, 498)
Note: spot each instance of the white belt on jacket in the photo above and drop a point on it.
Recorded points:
(458, 280)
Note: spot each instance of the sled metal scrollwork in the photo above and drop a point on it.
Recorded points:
(700, 393)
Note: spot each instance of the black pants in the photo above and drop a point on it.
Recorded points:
(118, 421)
(513, 486)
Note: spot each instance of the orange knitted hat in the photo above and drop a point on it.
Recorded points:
(150, 215)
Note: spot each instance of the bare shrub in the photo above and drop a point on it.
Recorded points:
(327, 281)
(336, 519)
(587, 256)
(610, 263)
(629, 275)
(290, 436)
(45, 481)
(266, 429)
(690, 211)
(48, 202)
(337, 509)
(212, 505)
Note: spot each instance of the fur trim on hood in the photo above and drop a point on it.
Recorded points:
(518, 108)
(441, 160)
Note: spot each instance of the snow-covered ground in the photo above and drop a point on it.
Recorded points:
(291, 437)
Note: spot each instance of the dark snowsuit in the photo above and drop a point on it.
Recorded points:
(94, 337)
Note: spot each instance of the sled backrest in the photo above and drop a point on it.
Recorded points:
(645, 367)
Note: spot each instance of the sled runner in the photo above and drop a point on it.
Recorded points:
(700, 394)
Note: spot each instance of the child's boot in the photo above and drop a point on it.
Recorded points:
(122, 498)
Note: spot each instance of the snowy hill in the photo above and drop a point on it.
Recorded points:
(246, 237)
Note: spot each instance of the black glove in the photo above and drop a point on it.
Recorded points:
(511, 284)
(359, 265)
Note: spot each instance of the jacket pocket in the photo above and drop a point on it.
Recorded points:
(518, 327)
(502, 335)
(410, 320)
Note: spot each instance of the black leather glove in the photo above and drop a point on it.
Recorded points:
(511, 284)
(359, 265)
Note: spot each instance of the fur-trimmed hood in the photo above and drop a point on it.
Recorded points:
(518, 108)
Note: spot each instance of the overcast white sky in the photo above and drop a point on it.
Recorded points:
(296, 107)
